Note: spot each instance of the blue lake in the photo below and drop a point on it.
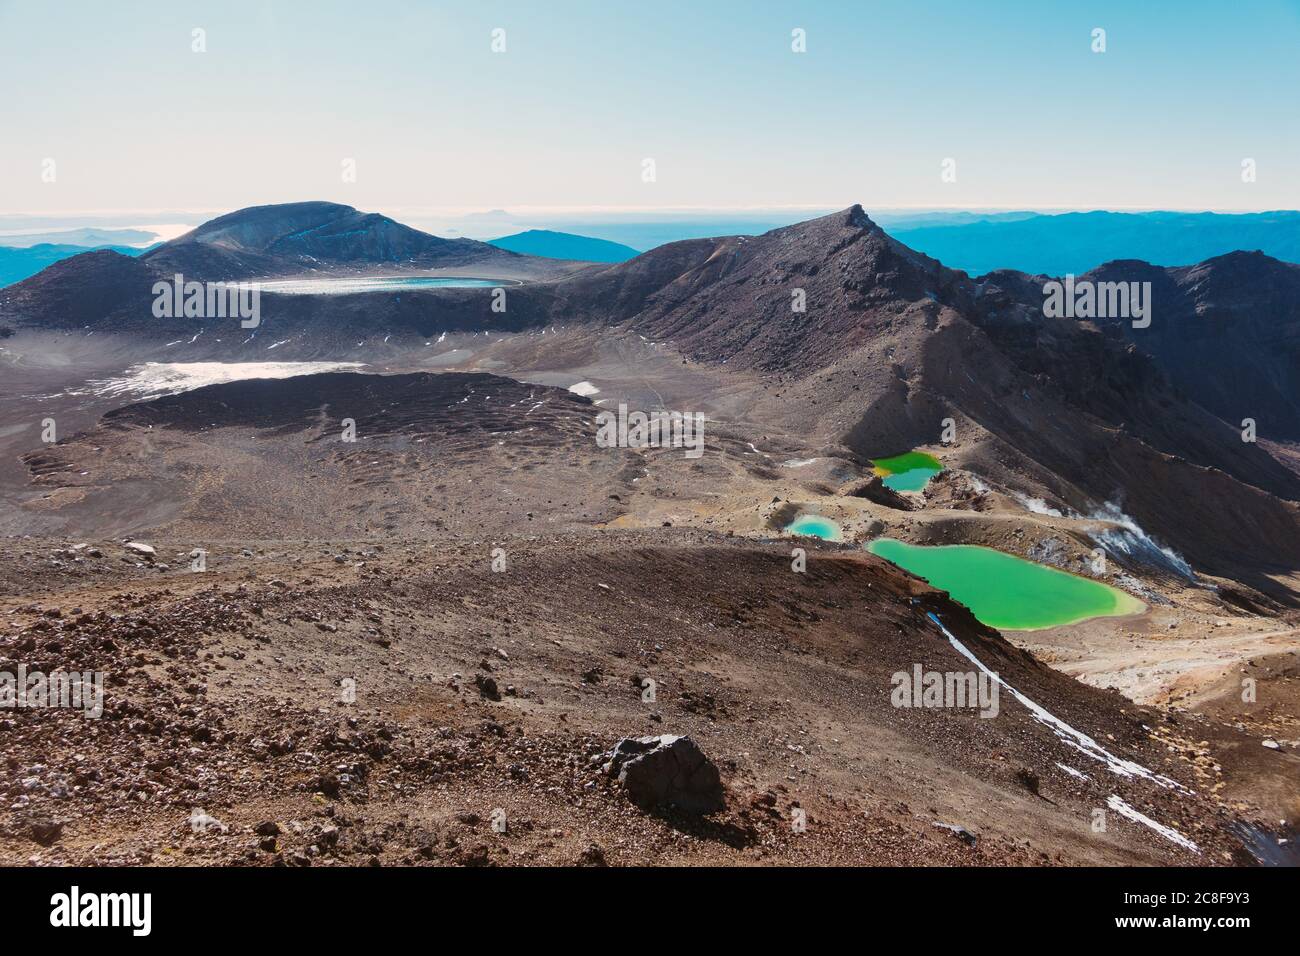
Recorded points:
(352, 286)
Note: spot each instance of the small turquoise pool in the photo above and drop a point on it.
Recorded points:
(814, 526)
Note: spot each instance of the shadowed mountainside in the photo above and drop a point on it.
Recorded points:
(1227, 331)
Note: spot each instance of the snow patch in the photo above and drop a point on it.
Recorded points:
(1064, 732)
(1169, 833)
(1129, 539)
(154, 379)
(1037, 505)
(1125, 537)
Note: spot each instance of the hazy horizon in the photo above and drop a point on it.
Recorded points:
(951, 236)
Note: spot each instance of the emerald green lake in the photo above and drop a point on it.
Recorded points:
(814, 526)
(907, 472)
(1007, 592)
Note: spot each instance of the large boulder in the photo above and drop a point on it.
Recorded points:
(142, 549)
(666, 771)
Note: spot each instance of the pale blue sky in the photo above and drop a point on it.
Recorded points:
(709, 89)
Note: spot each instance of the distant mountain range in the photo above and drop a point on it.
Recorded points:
(564, 245)
(975, 242)
(17, 264)
(88, 237)
(1078, 241)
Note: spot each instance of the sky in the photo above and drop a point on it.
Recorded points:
(584, 93)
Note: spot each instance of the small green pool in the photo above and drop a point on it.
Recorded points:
(907, 472)
(814, 526)
(1007, 592)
